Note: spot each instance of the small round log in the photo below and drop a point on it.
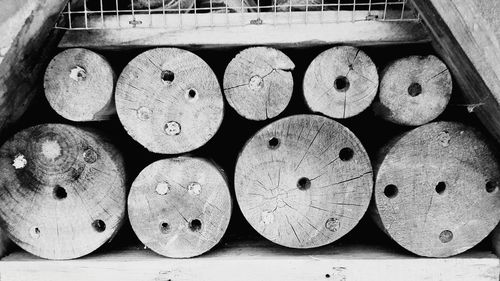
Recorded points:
(180, 207)
(79, 85)
(437, 189)
(341, 82)
(303, 181)
(62, 191)
(414, 90)
(258, 83)
(169, 100)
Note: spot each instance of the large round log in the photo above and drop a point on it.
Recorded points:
(258, 83)
(303, 181)
(341, 82)
(437, 189)
(169, 100)
(62, 191)
(79, 85)
(414, 90)
(180, 207)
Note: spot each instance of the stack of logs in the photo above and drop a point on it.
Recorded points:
(301, 181)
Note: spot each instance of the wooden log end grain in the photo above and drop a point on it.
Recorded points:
(180, 207)
(62, 191)
(341, 82)
(79, 85)
(258, 83)
(169, 100)
(414, 90)
(437, 189)
(303, 181)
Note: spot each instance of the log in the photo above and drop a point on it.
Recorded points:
(437, 189)
(303, 181)
(341, 82)
(258, 83)
(62, 191)
(169, 100)
(414, 90)
(180, 207)
(79, 85)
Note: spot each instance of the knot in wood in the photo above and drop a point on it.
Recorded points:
(162, 188)
(267, 217)
(444, 138)
(172, 128)
(144, 113)
(19, 161)
(332, 224)
(256, 83)
(78, 73)
(90, 155)
(194, 188)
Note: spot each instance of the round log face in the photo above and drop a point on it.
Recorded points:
(414, 90)
(437, 189)
(169, 100)
(258, 83)
(341, 82)
(303, 181)
(79, 85)
(62, 192)
(180, 207)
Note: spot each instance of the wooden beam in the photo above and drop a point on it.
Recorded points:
(468, 44)
(241, 29)
(256, 261)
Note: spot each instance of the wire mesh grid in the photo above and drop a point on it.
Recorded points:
(181, 14)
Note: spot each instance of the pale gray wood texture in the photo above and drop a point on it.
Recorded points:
(169, 100)
(62, 191)
(258, 261)
(437, 189)
(341, 82)
(79, 85)
(180, 207)
(303, 181)
(414, 90)
(258, 82)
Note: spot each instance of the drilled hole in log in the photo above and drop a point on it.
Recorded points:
(446, 236)
(414, 89)
(192, 93)
(391, 191)
(327, 275)
(274, 143)
(304, 183)
(59, 193)
(99, 225)
(491, 186)
(164, 227)
(35, 232)
(346, 154)
(167, 76)
(195, 225)
(440, 187)
(341, 84)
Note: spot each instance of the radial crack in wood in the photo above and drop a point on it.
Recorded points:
(341, 82)
(414, 90)
(436, 190)
(180, 207)
(58, 205)
(169, 100)
(304, 192)
(258, 83)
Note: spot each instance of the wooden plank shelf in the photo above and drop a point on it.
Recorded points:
(256, 261)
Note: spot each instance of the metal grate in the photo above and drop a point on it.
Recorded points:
(182, 14)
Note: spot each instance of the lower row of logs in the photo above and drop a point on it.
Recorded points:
(302, 181)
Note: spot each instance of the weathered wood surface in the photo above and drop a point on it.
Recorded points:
(437, 189)
(235, 29)
(79, 85)
(258, 83)
(341, 82)
(303, 181)
(249, 261)
(468, 44)
(28, 42)
(180, 207)
(169, 100)
(414, 90)
(62, 191)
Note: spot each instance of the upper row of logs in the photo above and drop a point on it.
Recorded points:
(170, 101)
(302, 181)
